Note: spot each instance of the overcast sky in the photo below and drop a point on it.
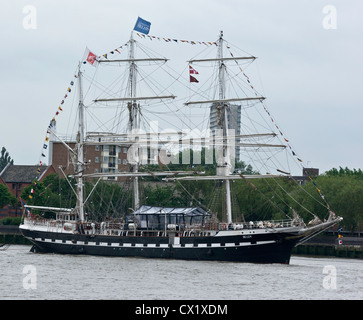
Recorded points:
(311, 66)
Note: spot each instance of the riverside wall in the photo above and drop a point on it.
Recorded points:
(349, 246)
(11, 235)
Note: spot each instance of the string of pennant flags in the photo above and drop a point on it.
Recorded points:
(206, 43)
(193, 72)
(142, 28)
(192, 79)
(47, 136)
(93, 59)
(281, 133)
(264, 107)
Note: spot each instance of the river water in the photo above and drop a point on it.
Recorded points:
(26, 275)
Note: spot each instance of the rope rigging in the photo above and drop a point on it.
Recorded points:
(114, 117)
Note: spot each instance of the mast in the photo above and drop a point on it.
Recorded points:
(224, 164)
(80, 155)
(134, 113)
(134, 123)
(225, 167)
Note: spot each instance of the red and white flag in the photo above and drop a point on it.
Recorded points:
(193, 79)
(91, 58)
(192, 71)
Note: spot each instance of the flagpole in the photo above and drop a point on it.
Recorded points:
(225, 168)
(80, 156)
(134, 118)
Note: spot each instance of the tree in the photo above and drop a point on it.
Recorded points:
(345, 172)
(51, 192)
(342, 190)
(6, 197)
(5, 158)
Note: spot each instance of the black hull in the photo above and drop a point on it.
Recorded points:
(258, 248)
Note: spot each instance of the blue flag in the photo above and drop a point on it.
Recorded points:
(142, 26)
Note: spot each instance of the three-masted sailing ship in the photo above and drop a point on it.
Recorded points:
(191, 233)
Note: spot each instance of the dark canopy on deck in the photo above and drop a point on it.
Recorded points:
(156, 217)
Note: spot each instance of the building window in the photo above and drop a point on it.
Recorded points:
(125, 150)
(112, 151)
(124, 162)
(97, 148)
(96, 160)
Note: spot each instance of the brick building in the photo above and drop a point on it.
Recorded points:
(100, 158)
(16, 178)
(307, 172)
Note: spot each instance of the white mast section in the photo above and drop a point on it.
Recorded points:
(222, 59)
(135, 60)
(143, 174)
(145, 143)
(229, 177)
(134, 123)
(224, 168)
(224, 100)
(80, 156)
(135, 98)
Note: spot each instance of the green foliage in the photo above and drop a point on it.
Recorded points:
(345, 172)
(13, 221)
(343, 190)
(6, 197)
(108, 198)
(52, 192)
(344, 193)
(48, 191)
(265, 198)
(191, 160)
(5, 158)
(162, 196)
(243, 168)
(256, 199)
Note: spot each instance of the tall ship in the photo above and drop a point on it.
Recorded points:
(218, 230)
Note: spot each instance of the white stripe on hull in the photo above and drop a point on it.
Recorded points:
(151, 245)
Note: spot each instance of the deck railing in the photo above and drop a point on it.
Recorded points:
(114, 228)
